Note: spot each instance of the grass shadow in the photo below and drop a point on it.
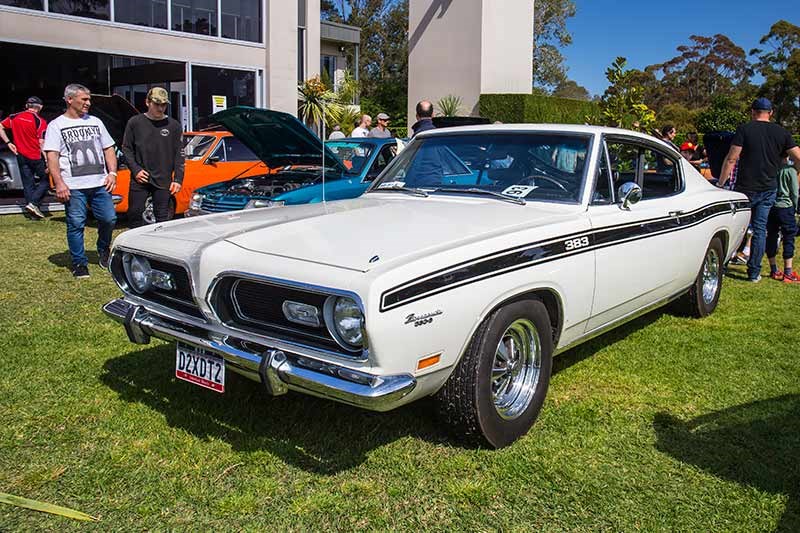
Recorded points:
(64, 259)
(755, 444)
(316, 435)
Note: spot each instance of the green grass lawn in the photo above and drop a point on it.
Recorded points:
(668, 424)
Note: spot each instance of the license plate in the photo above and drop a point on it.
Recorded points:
(200, 367)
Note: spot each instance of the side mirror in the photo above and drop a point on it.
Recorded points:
(212, 160)
(629, 194)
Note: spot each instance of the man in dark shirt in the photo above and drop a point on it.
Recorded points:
(758, 146)
(424, 118)
(153, 151)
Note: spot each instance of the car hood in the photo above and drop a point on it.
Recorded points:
(115, 112)
(352, 233)
(278, 139)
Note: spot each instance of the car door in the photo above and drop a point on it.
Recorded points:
(638, 255)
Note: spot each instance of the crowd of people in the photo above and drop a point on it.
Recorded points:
(363, 129)
(80, 156)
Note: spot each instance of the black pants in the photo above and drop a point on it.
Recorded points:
(34, 179)
(137, 197)
(781, 220)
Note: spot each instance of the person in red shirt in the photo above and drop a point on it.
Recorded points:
(27, 129)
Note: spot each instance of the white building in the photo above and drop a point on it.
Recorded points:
(252, 52)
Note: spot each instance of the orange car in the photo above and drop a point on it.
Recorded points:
(211, 156)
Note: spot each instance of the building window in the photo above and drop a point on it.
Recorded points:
(328, 70)
(241, 19)
(28, 4)
(195, 16)
(238, 86)
(151, 13)
(301, 13)
(95, 9)
(301, 55)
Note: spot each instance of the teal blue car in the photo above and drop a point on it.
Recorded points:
(294, 155)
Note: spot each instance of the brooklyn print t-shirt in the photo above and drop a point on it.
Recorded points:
(80, 143)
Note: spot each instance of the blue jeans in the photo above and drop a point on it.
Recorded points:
(760, 205)
(99, 200)
(34, 179)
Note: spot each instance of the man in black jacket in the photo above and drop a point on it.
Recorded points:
(153, 151)
(424, 118)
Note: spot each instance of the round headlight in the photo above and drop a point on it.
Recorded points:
(345, 321)
(138, 272)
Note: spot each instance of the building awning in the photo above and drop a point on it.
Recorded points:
(339, 33)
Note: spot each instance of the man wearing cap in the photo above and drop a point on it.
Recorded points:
(153, 152)
(28, 129)
(758, 146)
(381, 131)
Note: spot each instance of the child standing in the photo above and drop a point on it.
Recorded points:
(782, 218)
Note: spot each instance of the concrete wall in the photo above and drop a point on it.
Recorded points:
(468, 47)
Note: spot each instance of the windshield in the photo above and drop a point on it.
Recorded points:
(353, 154)
(531, 166)
(196, 146)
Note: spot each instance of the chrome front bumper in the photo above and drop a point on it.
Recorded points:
(278, 370)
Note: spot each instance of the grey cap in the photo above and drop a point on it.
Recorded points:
(382, 116)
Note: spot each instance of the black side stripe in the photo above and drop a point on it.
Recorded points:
(537, 253)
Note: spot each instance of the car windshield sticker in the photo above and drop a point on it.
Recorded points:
(519, 191)
(392, 185)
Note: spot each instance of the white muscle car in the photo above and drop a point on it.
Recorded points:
(476, 256)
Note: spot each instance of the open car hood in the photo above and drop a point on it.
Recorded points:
(278, 139)
(115, 112)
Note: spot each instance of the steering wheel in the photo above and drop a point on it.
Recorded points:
(531, 180)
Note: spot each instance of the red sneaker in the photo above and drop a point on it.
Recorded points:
(777, 275)
(791, 278)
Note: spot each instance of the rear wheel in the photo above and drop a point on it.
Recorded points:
(702, 298)
(149, 215)
(497, 389)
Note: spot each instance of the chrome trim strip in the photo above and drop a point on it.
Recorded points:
(351, 356)
(633, 315)
(280, 370)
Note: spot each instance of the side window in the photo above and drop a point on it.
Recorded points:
(236, 151)
(661, 175)
(384, 157)
(603, 193)
(219, 151)
(624, 162)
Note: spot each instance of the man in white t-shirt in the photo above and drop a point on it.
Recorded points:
(362, 130)
(83, 165)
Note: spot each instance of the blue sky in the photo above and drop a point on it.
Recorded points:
(648, 32)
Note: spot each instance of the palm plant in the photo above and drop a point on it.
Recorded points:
(449, 106)
(317, 103)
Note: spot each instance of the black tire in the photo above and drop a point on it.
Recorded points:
(467, 402)
(697, 302)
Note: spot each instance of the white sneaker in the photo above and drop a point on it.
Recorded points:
(34, 210)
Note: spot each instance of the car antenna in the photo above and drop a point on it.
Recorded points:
(323, 154)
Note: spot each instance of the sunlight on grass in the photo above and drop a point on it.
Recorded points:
(665, 424)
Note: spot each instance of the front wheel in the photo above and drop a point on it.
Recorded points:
(703, 296)
(497, 389)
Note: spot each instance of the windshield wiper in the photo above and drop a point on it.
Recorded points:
(402, 188)
(484, 192)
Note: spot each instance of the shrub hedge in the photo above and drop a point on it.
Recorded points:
(531, 108)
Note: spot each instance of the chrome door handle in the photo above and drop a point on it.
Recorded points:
(675, 213)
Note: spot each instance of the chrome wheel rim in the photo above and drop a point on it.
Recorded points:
(516, 369)
(148, 215)
(710, 276)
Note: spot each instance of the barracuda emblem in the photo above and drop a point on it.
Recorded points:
(421, 320)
